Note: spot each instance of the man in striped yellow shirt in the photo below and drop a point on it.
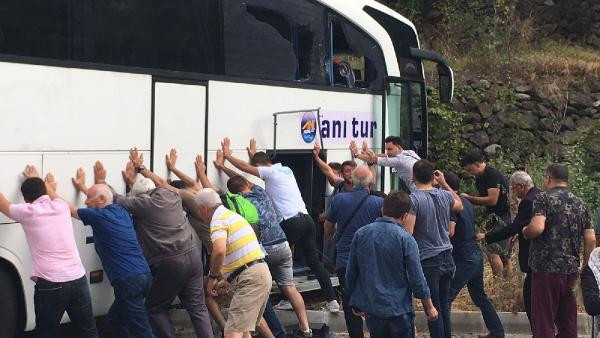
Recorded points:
(237, 263)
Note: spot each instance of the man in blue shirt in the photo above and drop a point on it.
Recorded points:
(429, 223)
(469, 262)
(351, 211)
(117, 246)
(384, 272)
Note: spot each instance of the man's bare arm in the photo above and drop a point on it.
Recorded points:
(332, 177)
(438, 176)
(201, 172)
(236, 162)
(589, 243)
(409, 223)
(171, 160)
(4, 205)
(493, 194)
(535, 227)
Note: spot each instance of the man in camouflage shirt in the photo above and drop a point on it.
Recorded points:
(561, 220)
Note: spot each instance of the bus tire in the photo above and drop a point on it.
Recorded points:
(9, 306)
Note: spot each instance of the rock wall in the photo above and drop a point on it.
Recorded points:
(526, 118)
(575, 20)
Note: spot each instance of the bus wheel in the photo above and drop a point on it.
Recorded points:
(9, 307)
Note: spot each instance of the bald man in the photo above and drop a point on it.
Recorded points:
(121, 255)
(351, 211)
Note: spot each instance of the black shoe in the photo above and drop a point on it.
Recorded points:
(301, 334)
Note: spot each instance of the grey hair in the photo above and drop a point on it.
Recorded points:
(521, 177)
(207, 197)
(104, 191)
(361, 177)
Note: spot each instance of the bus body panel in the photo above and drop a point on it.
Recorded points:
(70, 109)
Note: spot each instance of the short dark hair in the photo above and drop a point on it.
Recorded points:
(470, 157)
(395, 140)
(335, 166)
(396, 204)
(348, 163)
(423, 171)
(179, 184)
(260, 157)
(236, 184)
(453, 180)
(558, 172)
(33, 188)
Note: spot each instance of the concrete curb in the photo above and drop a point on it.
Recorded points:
(463, 322)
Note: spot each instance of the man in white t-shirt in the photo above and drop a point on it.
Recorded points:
(400, 160)
(56, 268)
(299, 227)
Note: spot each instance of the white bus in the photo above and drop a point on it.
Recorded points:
(82, 80)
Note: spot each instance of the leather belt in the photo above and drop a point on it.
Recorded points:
(242, 268)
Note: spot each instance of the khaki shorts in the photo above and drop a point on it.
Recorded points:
(250, 295)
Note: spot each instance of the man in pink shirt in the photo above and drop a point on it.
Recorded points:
(59, 275)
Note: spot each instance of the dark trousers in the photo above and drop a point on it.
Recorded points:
(527, 295)
(354, 324)
(469, 272)
(272, 321)
(180, 276)
(127, 315)
(553, 304)
(392, 327)
(301, 231)
(438, 271)
(51, 300)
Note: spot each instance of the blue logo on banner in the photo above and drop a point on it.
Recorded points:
(308, 127)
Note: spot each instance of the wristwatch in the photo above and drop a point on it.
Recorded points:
(355, 155)
(140, 168)
(217, 277)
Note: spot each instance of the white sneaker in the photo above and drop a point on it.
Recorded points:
(333, 306)
(283, 305)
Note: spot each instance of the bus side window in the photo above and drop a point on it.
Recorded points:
(34, 28)
(357, 61)
(274, 40)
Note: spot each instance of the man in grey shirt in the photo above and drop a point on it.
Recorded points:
(169, 244)
(401, 161)
(429, 223)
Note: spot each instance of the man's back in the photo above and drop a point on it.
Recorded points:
(342, 206)
(463, 241)
(160, 222)
(49, 231)
(281, 186)
(270, 230)
(115, 240)
(432, 225)
(492, 178)
(557, 249)
(386, 257)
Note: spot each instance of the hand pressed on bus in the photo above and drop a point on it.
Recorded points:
(50, 184)
(251, 148)
(171, 159)
(136, 157)
(219, 161)
(225, 145)
(99, 173)
(79, 181)
(31, 171)
(129, 174)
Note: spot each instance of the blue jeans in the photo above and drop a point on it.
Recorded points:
(273, 321)
(470, 273)
(52, 299)
(438, 271)
(127, 315)
(392, 327)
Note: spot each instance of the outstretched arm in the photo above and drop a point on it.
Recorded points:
(138, 160)
(201, 172)
(4, 205)
(241, 165)
(332, 177)
(219, 164)
(171, 160)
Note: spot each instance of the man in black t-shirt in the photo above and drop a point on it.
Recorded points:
(492, 188)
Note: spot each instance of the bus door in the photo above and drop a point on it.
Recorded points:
(178, 121)
(405, 104)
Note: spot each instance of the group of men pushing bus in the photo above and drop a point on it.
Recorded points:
(389, 248)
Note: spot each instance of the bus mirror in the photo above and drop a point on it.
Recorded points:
(446, 83)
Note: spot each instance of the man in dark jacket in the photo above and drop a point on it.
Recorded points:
(522, 186)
